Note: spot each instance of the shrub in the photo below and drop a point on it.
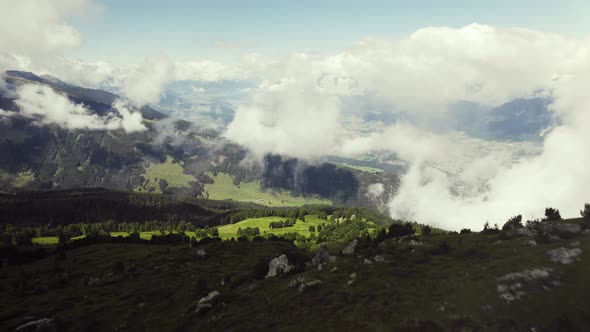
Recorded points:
(552, 214)
(426, 230)
(586, 212)
(513, 223)
(466, 231)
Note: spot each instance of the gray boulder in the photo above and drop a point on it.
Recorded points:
(207, 302)
(323, 256)
(349, 249)
(309, 284)
(279, 265)
(564, 255)
(562, 230)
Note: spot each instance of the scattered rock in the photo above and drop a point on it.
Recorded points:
(525, 231)
(512, 285)
(94, 281)
(487, 308)
(352, 279)
(553, 238)
(416, 243)
(561, 229)
(201, 253)
(528, 275)
(564, 255)
(296, 281)
(309, 284)
(207, 302)
(349, 250)
(278, 265)
(532, 243)
(379, 258)
(367, 262)
(320, 268)
(334, 269)
(322, 256)
(43, 324)
(511, 293)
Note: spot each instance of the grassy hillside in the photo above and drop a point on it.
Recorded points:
(426, 286)
(224, 188)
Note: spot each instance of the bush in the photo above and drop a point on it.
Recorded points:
(552, 214)
(513, 223)
(426, 230)
(466, 231)
(586, 212)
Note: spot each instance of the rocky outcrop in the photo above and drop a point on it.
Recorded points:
(309, 284)
(43, 324)
(349, 249)
(560, 229)
(512, 286)
(207, 302)
(323, 256)
(564, 255)
(279, 265)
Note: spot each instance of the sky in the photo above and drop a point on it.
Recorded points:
(126, 31)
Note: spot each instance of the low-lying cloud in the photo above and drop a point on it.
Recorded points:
(46, 106)
(297, 111)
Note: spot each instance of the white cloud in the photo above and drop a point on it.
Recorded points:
(41, 103)
(375, 190)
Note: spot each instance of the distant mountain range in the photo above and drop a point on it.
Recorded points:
(172, 156)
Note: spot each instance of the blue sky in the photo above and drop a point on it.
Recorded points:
(223, 30)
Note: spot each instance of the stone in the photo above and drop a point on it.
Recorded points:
(525, 231)
(367, 262)
(322, 256)
(207, 302)
(334, 269)
(416, 243)
(309, 284)
(349, 249)
(379, 258)
(279, 265)
(564, 255)
(43, 324)
(320, 268)
(563, 230)
(296, 281)
(532, 243)
(201, 253)
(553, 238)
(511, 285)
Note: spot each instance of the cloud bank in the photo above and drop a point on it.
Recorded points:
(297, 111)
(43, 104)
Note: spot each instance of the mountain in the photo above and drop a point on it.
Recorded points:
(172, 156)
(520, 119)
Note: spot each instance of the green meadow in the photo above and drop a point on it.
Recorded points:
(224, 188)
(169, 171)
(300, 227)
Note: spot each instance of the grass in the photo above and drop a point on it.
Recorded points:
(367, 169)
(300, 227)
(169, 171)
(23, 178)
(224, 188)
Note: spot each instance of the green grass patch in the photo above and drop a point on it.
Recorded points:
(367, 169)
(224, 188)
(169, 171)
(23, 178)
(300, 227)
